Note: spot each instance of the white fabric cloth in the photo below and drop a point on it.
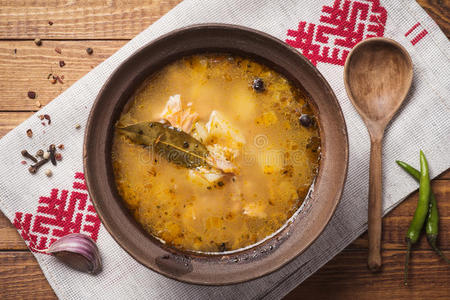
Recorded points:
(423, 123)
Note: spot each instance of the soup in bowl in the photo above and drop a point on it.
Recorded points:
(261, 149)
(215, 154)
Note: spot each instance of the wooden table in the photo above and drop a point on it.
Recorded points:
(105, 26)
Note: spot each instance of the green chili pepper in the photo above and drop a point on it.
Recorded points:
(432, 225)
(412, 236)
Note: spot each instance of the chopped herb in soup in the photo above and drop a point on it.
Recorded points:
(215, 152)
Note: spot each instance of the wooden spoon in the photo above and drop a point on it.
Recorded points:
(377, 77)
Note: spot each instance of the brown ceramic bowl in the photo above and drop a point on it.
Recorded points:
(241, 265)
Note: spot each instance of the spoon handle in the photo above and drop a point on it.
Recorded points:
(375, 205)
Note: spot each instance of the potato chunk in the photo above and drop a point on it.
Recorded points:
(221, 131)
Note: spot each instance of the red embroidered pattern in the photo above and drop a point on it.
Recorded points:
(342, 26)
(419, 36)
(58, 215)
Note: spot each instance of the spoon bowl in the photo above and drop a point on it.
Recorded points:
(377, 76)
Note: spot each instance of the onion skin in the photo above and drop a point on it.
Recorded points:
(78, 251)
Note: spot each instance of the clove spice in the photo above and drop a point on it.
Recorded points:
(34, 168)
(52, 150)
(28, 155)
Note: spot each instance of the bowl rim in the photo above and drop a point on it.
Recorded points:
(108, 223)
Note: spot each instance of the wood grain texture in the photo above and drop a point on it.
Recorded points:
(346, 277)
(82, 19)
(22, 278)
(113, 19)
(439, 11)
(27, 69)
(396, 223)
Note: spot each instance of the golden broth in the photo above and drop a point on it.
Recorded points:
(275, 156)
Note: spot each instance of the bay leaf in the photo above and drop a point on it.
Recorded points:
(174, 145)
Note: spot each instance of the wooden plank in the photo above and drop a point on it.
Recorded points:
(27, 69)
(445, 175)
(397, 222)
(102, 19)
(21, 277)
(83, 19)
(10, 238)
(9, 120)
(347, 277)
(439, 11)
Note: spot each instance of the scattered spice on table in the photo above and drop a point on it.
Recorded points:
(40, 153)
(31, 94)
(56, 78)
(49, 75)
(59, 79)
(38, 103)
(78, 126)
(58, 156)
(45, 117)
(41, 158)
(34, 168)
(48, 173)
(52, 151)
(26, 154)
(50, 23)
(29, 133)
(62, 63)
(38, 41)
(61, 146)
(58, 50)
(15, 51)
(23, 162)
(89, 50)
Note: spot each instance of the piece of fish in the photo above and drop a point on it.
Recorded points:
(183, 118)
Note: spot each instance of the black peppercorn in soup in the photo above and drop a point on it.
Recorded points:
(215, 152)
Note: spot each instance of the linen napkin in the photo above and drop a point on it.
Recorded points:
(44, 209)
